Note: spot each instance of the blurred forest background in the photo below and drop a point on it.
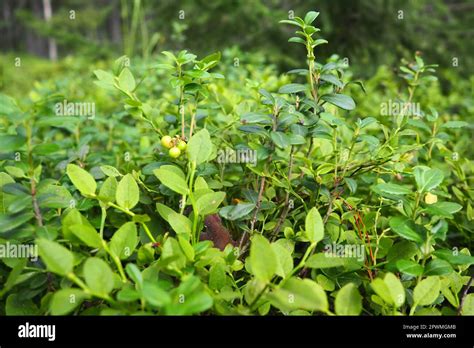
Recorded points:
(368, 32)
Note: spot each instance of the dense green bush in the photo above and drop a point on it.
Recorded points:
(215, 185)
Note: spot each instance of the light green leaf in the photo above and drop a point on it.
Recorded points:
(108, 190)
(310, 17)
(199, 148)
(263, 260)
(427, 291)
(173, 178)
(154, 294)
(128, 194)
(323, 260)
(98, 275)
(82, 180)
(187, 248)
(87, 234)
(209, 202)
(57, 258)
(126, 80)
(314, 226)
(395, 288)
(468, 306)
(300, 294)
(217, 277)
(348, 300)
(124, 241)
(180, 224)
(284, 260)
(64, 301)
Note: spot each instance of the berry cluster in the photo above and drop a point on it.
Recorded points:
(175, 145)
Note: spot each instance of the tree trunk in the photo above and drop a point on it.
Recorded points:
(52, 48)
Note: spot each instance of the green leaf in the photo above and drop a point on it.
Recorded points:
(180, 224)
(393, 189)
(427, 291)
(126, 80)
(164, 211)
(310, 17)
(190, 298)
(16, 304)
(57, 258)
(128, 194)
(199, 148)
(256, 117)
(98, 275)
(87, 234)
(300, 294)
(340, 100)
(406, 228)
(280, 139)
(319, 42)
(187, 248)
(454, 257)
(64, 301)
(217, 277)
(292, 22)
(314, 227)
(10, 143)
(296, 39)
(332, 80)
(110, 171)
(438, 267)
(235, 212)
(209, 202)
(443, 209)
(348, 300)
(427, 179)
(154, 294)
(409, 267)
(468, 307)
(455, 124)
(395, 288)
(263, 260)
(134, 273)
(284, 260)
(292, 88)
(82, 180)
(323, 260)
(173, 178)
(381, 289)
(108, 190)
(124, 241)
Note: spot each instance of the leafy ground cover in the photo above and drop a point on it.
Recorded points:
(215, 185)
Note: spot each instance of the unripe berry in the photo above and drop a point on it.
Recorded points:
(166, 141)
(182, 145)
(174, 152)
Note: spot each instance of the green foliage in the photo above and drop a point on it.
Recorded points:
(292, 194)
